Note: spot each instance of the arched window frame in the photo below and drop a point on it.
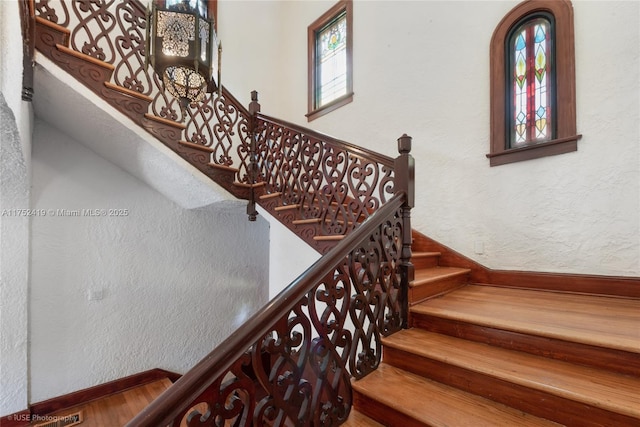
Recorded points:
(564, 138)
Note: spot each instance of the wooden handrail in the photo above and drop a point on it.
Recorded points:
(172, 402)
(355, 149)
(293, 360)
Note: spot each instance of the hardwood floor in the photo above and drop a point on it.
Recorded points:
(116, 410)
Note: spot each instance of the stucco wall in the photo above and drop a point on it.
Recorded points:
(14, 266)
(423, 68)
(158, 287)
(15, 143)
(289, 255)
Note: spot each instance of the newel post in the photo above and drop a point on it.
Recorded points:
(404, 169)
(254, 109)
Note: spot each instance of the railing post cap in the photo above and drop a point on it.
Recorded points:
(404, 144)
(254, 105)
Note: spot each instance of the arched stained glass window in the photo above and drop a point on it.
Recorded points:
(533, 101)
(530, 65)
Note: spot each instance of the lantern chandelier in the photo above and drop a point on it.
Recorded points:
(183, 49)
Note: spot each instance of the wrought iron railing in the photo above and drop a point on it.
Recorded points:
(291, 364)
(114, 31)
(321, 187)
(318, 186)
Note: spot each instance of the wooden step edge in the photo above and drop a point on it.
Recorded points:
(328, 238)
(439, 273)
(129, 92)
(422, 254)
(609, 359)
(84, 57)
(53, 25)
(601, 389)
(227, 169)
(240, 184)
(416, 298)
(164, 121)
(306, 221)
(358, 419)
(337, 221)
(400, 398)
(286, 207)
(270, 195)
(198, 147)
(579, 337)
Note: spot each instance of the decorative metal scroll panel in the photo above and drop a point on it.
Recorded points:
(326, 181)
(328, 184)
(114, 31)
(299, 372)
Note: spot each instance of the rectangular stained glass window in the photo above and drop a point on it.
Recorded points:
(332, 61)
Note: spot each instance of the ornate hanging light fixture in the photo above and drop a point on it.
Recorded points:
(183, 49)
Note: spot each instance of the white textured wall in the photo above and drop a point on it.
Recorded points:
(11, 54)
(15, 143)
(169, 284)
(422, 67)
(14, 266)
(289, 255)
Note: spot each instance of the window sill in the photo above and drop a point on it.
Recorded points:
(535, 151)
(333, 105)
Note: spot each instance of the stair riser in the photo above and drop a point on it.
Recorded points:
(532, 401)
(382, 413)
(420, 293)
(610, 359)
(425, 261)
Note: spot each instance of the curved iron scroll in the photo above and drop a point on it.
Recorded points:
(322, 187)
(336, 184)
(113, 31)
(296, 369)
(291, 364)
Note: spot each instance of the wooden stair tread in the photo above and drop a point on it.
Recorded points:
(358, 419)
(436, 404)
(421, 254)
(119, 408)
(429, 275)
(306, 221)
(595, 387)
(601, 321)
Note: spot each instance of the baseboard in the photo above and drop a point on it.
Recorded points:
(618, 286)
(17, 419)
(23, 418)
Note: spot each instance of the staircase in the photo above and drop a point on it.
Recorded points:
(481, 355)
(480, 349)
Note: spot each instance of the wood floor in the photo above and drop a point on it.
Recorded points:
(116, 410)
(482, 356)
